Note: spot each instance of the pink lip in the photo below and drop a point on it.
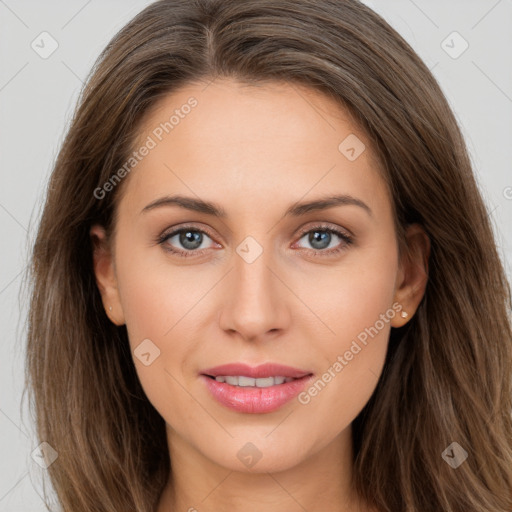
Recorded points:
(255, 400)
(261, 371)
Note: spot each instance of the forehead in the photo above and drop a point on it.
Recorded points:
(244, 144)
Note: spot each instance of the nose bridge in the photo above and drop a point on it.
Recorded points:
(254, 304)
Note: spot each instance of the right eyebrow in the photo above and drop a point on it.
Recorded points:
(189, 203)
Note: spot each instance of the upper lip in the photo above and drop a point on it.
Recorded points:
(261, 371)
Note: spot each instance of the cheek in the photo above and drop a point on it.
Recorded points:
(158, 301)
(155, 294)
(358, 311)
(351, 296)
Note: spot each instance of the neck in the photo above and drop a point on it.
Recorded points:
(321, 481)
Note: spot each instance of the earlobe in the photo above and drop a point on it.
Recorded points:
(413, 274)
(104, 271)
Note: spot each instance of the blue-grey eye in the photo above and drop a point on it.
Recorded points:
(320, 239)
(188, 239)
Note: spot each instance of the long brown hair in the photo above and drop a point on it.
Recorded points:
(448, 372)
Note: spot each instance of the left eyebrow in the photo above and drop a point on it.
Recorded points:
(326, 202)
(296, 210)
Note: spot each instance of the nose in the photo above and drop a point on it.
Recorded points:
(256, 302)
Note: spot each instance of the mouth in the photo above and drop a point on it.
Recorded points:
(263, 371)
(244, 381)
(255, 390)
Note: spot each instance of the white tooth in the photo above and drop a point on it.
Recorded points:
(245, 381)
(265, 382)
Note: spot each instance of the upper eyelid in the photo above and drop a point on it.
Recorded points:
(174, 231)
(327, 227)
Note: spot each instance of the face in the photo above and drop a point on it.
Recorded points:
(241, 271)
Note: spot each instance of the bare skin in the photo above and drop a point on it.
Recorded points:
(256, 151)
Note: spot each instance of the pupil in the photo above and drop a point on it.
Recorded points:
(190, 239)
(317, 242)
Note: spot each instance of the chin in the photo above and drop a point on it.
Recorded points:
(256, 454)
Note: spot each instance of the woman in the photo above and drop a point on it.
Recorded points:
(194, 342)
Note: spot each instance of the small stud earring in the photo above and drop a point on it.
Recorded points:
(110, 308)
(404, 314)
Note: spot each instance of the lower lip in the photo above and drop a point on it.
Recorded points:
(255, 400)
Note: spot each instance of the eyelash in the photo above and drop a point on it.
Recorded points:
(347, 240)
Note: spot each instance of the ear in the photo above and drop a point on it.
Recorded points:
(412, 275)
(104, 271)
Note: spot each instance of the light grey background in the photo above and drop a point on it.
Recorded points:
(37, 97)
